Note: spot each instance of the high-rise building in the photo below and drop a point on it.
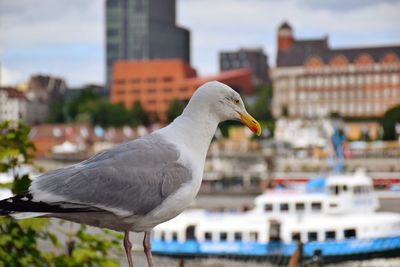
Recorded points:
(312, 79)
(142, 30)
(253, 59)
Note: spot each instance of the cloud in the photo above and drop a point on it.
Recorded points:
(9, 77)
(25, 23)
(66, 38)
(229, 24)
(343, 6)
(63, 38)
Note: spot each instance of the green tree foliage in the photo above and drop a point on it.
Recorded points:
(15, 149)
(90, 107)
(57, 111)
(139, 116)
(261, 107)
(19, 239)
(389, 121)
(175, 109)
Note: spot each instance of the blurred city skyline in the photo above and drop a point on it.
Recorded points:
(66, 39)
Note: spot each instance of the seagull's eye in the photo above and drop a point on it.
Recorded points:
(236, 101)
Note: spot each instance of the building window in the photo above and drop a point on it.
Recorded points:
(120, 92)
(135, 81)
(284, 206)
(334, 81)
(359, 79)
(207, 236)
(299, 206)
(330, 235)
(119, 81)
(376, 92)
(168, 79)
(368, 107)
(351, 79)
(377, 78)
(302, 82)
(268, 207)
(151, 90)
(385, 78)
(377, 107)
(349, 233)
(167, 90)
(395, 78)
(360, 107)
(326, 81)
(312, 236)
(386, 92)
(151, 79)
(183, 89)
(343, 80)
(135, 91)
(316, 206)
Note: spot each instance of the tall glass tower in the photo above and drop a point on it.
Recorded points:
(143, 29)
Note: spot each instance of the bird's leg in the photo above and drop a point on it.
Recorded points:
(147, 248)
(128, 248)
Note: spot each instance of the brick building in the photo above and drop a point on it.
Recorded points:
(311, 79)
(253, 59)
(156, 83)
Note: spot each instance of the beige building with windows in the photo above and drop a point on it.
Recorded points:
(313, 80)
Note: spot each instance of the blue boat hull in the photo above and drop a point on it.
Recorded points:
(253, 249)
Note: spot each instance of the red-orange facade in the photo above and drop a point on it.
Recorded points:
(155, 83)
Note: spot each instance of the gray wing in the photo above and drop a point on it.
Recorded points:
(134, 177)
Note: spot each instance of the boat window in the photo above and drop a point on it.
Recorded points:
(284, 206)
(312, 236)
(268, 207)
(223, 236)
(344, 188)
(330, 235)
(190, 233)
(316, 206)
(333, 205)
(300, 206)
(296, 236)
(350, 233)
(174, 236)
(162, 236)
(253, 236)
(334, 189)
(238, 236)
(357, 190)
(207, 236)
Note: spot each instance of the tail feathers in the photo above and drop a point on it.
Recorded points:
(23, 206)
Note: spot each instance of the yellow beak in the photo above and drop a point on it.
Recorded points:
(250, 122)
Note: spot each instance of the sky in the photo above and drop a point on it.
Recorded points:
(65, 38)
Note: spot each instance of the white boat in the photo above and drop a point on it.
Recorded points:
(336, 216)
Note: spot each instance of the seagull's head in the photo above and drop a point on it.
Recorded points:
(225, 103)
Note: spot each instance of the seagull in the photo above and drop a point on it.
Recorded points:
(139, 184)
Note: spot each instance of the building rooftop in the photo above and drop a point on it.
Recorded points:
(302, 49)
(13, 93)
